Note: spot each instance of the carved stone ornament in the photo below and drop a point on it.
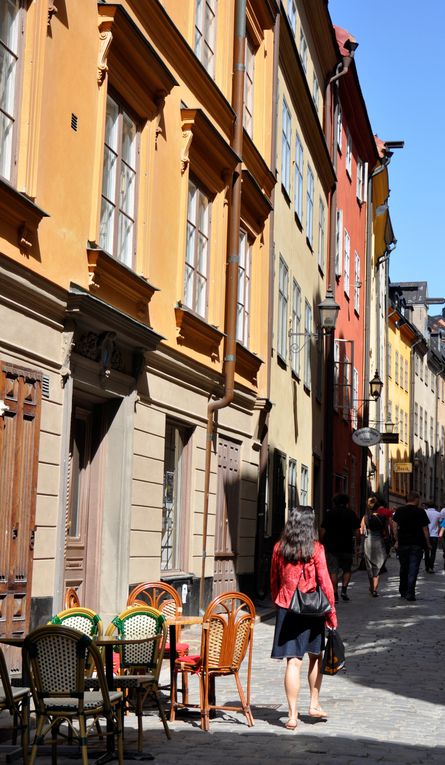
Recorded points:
(52, 9)
(93, 280)
(25, 238)
(101, 348)
(160, 102)
(185, 159)
(105, 38)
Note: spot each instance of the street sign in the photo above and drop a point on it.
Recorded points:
(403, 467)
(366, 436)
(390, 438)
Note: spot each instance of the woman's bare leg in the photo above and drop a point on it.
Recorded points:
(292, 685)
(314, 677)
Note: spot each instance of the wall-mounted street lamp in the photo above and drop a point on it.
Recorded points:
(328, 310)
(375, 387)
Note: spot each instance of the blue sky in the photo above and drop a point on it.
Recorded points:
(400, 62)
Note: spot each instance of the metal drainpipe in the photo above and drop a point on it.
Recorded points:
(231, 270)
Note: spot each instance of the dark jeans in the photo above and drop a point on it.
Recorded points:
(409, 559)
(430, 555)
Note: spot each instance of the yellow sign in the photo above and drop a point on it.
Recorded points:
(403, 467)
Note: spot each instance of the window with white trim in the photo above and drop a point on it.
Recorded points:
(321, 234)
(396, 367)
(357, 283)
(362, 180)
(283, 289)
(406, 375)
(243, 301)
(285, 147)
(310, 205)
(118, 207)
(406, 428)
(397, 419)
(339, 129)
(10, 37)
(338, 242)
(416, 419)
(292, 15)
(299, 164)
(346, 387)
(304, 484)
(389, 412)
(297, 337)
(315, 91)
(347, 264)
(307, 344)
(336, 373)
(354, 397)
(249, 87)
(421, 422)
(348, 158)
(205, 34)
(303, 51)
(197, 249)
(292, 485)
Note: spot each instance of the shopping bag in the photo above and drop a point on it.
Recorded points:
(334, 654)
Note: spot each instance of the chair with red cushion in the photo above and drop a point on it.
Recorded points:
(227, 638)
(165, 599)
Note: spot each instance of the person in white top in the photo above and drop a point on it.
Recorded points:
(434, 517)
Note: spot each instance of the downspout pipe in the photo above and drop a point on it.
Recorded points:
(231, 269)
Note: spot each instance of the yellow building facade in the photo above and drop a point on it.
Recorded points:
(118, 193)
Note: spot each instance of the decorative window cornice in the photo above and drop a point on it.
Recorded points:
(196, 333)
(21, 213)
(134, 68)
(255, 206)
(211, 157)
(247, 364)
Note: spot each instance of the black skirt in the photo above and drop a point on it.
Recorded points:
(296, 635)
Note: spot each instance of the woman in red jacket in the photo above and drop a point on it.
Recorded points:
(299, 558)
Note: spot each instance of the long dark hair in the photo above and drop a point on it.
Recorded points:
(299, 535)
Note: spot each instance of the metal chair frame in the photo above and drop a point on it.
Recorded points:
(141, 663)
(16, 702)
(227, 637)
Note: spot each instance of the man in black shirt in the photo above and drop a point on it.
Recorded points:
(337, 533)
(410, 527)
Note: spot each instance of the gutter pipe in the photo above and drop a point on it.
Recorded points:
(231, 269)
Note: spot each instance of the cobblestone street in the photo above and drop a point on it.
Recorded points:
(387, 706)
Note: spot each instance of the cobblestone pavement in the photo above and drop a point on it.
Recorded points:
(386, 706)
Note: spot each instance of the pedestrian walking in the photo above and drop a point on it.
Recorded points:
(373, 528)
(299, 559)
(410, 527)
(338, 530)
(434, 517)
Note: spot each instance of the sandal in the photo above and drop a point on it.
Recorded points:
(291, 723)
(318, 712)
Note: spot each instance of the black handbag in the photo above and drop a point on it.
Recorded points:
(334, 654)
(313, 603)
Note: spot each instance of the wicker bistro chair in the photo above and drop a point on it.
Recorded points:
(140, 663)
(83, 619)
(16, 702)
(227, 637)
(55, 657)
(165, 599)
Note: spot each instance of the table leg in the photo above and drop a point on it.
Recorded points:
(172, 639)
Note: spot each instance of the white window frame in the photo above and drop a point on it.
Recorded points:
(205, 34)
(307, 344)
(357, 283)
(336, 374)
(354, 398)
(303, 50)
(346, 387)
(10, 49)
(283, 298)
(297, 337)
(249, 81)
(362, 180)
(304, 484)
(321, 234)
(339, 129)
(292, 15)
(120, 171)
(286, 132)
(315, 91)
(347, 264)
(292, 489)
(310, 185)
(396, 367)
(299, 168)
(338, 243)
(244, 284)
(348, 157)
(197, 249)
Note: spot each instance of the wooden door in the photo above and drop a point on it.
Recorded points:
(85, 498)
(20, 400)
(227, 512)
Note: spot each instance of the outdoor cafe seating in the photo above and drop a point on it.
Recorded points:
(16, 702)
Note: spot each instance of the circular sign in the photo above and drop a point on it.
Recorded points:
(366, 436)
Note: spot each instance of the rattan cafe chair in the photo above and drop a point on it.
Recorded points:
(16, 702)
(227, 639)
(55, 657)
(140, 663)
(165, 599)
